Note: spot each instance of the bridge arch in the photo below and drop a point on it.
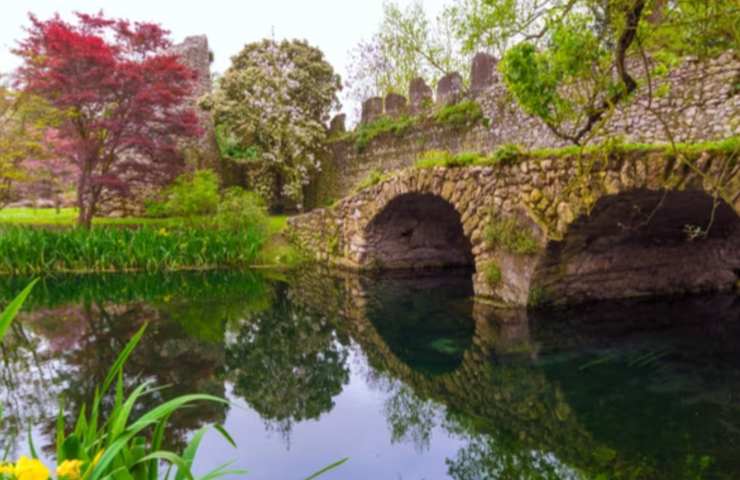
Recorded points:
(568, 227)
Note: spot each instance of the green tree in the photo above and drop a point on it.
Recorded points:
(24, 120)
(570, 62)
(407, 45)
(270, 108)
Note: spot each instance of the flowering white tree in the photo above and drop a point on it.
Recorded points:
(271, 108)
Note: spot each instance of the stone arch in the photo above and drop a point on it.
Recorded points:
(642, 242)
(413, 222)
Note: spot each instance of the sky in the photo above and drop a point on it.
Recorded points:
(334, 26)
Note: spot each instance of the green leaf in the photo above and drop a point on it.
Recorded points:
(172, 458)
(327, 468)
(7, 316)
(122, 358)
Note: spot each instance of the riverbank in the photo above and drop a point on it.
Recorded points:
(43, 241)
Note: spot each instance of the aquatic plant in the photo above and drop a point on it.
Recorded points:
(118, 446)
(150, 249)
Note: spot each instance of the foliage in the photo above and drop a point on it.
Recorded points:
(512, 237)
(67, 217)
(366, 133)
(492, 272)
(292, 344)
(464, 114)
(407, 45)
(240, 210)
(24, 120)
(33, 250)
(192, 194)
(565, 61)
(125, 98)
(271, 107)
(11, 310)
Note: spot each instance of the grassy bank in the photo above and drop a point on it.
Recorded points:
(27, 250)
(147, 244)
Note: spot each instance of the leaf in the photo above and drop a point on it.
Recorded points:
(172, 458)
(31, 447)
(122, 358)
(327, 468)
(7, 316)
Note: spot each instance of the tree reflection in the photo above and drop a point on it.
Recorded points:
(287, 363)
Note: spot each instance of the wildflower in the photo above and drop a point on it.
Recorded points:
(69, 469)
(30, 469)
(163, 232)
(7, 469)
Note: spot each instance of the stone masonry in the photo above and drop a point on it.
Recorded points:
(605, 226)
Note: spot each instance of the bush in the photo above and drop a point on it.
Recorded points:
(193, 194)
(241, 210)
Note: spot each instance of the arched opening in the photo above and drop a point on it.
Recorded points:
(415, 231)
(644, 243)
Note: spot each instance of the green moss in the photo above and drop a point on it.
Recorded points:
(508, 235)
(382, 126)
(507, 154)
(441, 158)
(538, 297)
(375, 176)
(464, 114)
(492, 273)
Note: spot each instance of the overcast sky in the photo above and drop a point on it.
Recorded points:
(334, 26)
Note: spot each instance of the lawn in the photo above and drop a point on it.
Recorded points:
(68, 216)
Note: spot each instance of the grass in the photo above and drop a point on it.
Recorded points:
(68, 217)
(40, 250)
(366, 133)
(492, 272)
(459, 115)
(508, 235)
(374, 177)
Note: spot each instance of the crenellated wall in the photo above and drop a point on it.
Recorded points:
(696, 101)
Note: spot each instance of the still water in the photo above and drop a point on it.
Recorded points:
(408, 378)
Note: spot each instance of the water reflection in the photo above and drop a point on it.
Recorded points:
(443, 386)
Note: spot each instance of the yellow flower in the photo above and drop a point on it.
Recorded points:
(30, 469)
(7, 469)
(163, 232)
(69, 469)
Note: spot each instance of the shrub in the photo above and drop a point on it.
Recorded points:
(510, 236)
(193, 194)
(464, 114)
(242, 210)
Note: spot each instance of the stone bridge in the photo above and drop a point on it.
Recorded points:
(563, 229)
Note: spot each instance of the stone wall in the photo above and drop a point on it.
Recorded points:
(595, 227)
(703, 104)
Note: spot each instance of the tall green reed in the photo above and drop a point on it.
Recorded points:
(30, 251)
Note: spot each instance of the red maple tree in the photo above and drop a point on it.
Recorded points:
(125, 96)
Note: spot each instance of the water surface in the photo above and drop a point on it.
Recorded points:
(408, 377)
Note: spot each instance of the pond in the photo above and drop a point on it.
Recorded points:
(407, 377)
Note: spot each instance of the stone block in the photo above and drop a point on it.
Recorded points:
(395, 105)
(420, 95)
(338, 124)
(449, 89)
(482, 72)
(372, 109)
